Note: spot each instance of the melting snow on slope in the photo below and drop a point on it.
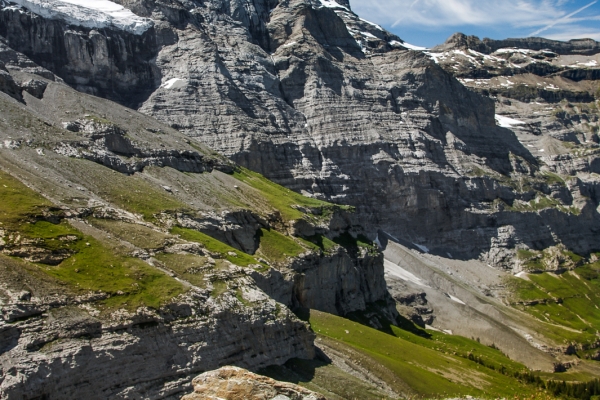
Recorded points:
(90, 14)
(371, 23)
(514, 50)
(370, 35)
(506, 122)
(435, 56)
(456, 299)
(407, 45)
(399, 272)
(174, 83)
(332, 4)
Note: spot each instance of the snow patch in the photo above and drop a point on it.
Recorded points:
(521, 274)
(456, 299)
(431, 328)
(506, 122)
(371, 23)
(392, 237)
(174, 83)
(399, 272)
(370, 35)
(332, 4)
(514, 50)
(290, 44)
(96, 14)
(407, 45)
(436, 57)
(592, 63)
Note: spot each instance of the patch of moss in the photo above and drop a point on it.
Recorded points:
(219, 287)
(92, 266)
(572, 298)
(190, 267)
(130, 281)
(352, 243)
(138, 235)
(524, 254)
(19, 203)
(240, 296)
(552, 178)
(320, 242)
(277, 247)
(525, 291)
(132, 193)
(213, 245)
(279, 198)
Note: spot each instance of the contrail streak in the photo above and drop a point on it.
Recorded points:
(409, 8)
(562, 19)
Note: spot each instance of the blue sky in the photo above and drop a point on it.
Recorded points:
(430, 22)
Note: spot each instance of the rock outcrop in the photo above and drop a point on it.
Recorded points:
(64, 351)
(230, 383)
(576, 46)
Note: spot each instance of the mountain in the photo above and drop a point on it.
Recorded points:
(329, 105)
(143, 245)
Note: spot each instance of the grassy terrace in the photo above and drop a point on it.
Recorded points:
(91, 265)
(533, 260)
(423, 364)
(280, 198)
(567, 302)
(132, 193)
(275, 246)
(215, 246)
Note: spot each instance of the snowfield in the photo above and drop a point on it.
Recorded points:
(333, 4)
(506, 122)
(96, 14)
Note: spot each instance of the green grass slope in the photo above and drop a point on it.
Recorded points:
(32, 223)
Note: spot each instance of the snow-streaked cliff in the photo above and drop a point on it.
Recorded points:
(95, 14)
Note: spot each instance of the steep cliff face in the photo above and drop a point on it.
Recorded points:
(133, 258)
(333, 106)
(68, 352)
(547, 93)
(112, 63)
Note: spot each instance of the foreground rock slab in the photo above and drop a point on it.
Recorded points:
(233, 383)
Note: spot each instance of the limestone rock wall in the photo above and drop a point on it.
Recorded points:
(66, 352)
(299, 92)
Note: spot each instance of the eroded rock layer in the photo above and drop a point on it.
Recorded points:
(133, 258)
(333, 106)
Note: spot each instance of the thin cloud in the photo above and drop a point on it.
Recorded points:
(562, 19)
(447, 13)
(421, 19)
